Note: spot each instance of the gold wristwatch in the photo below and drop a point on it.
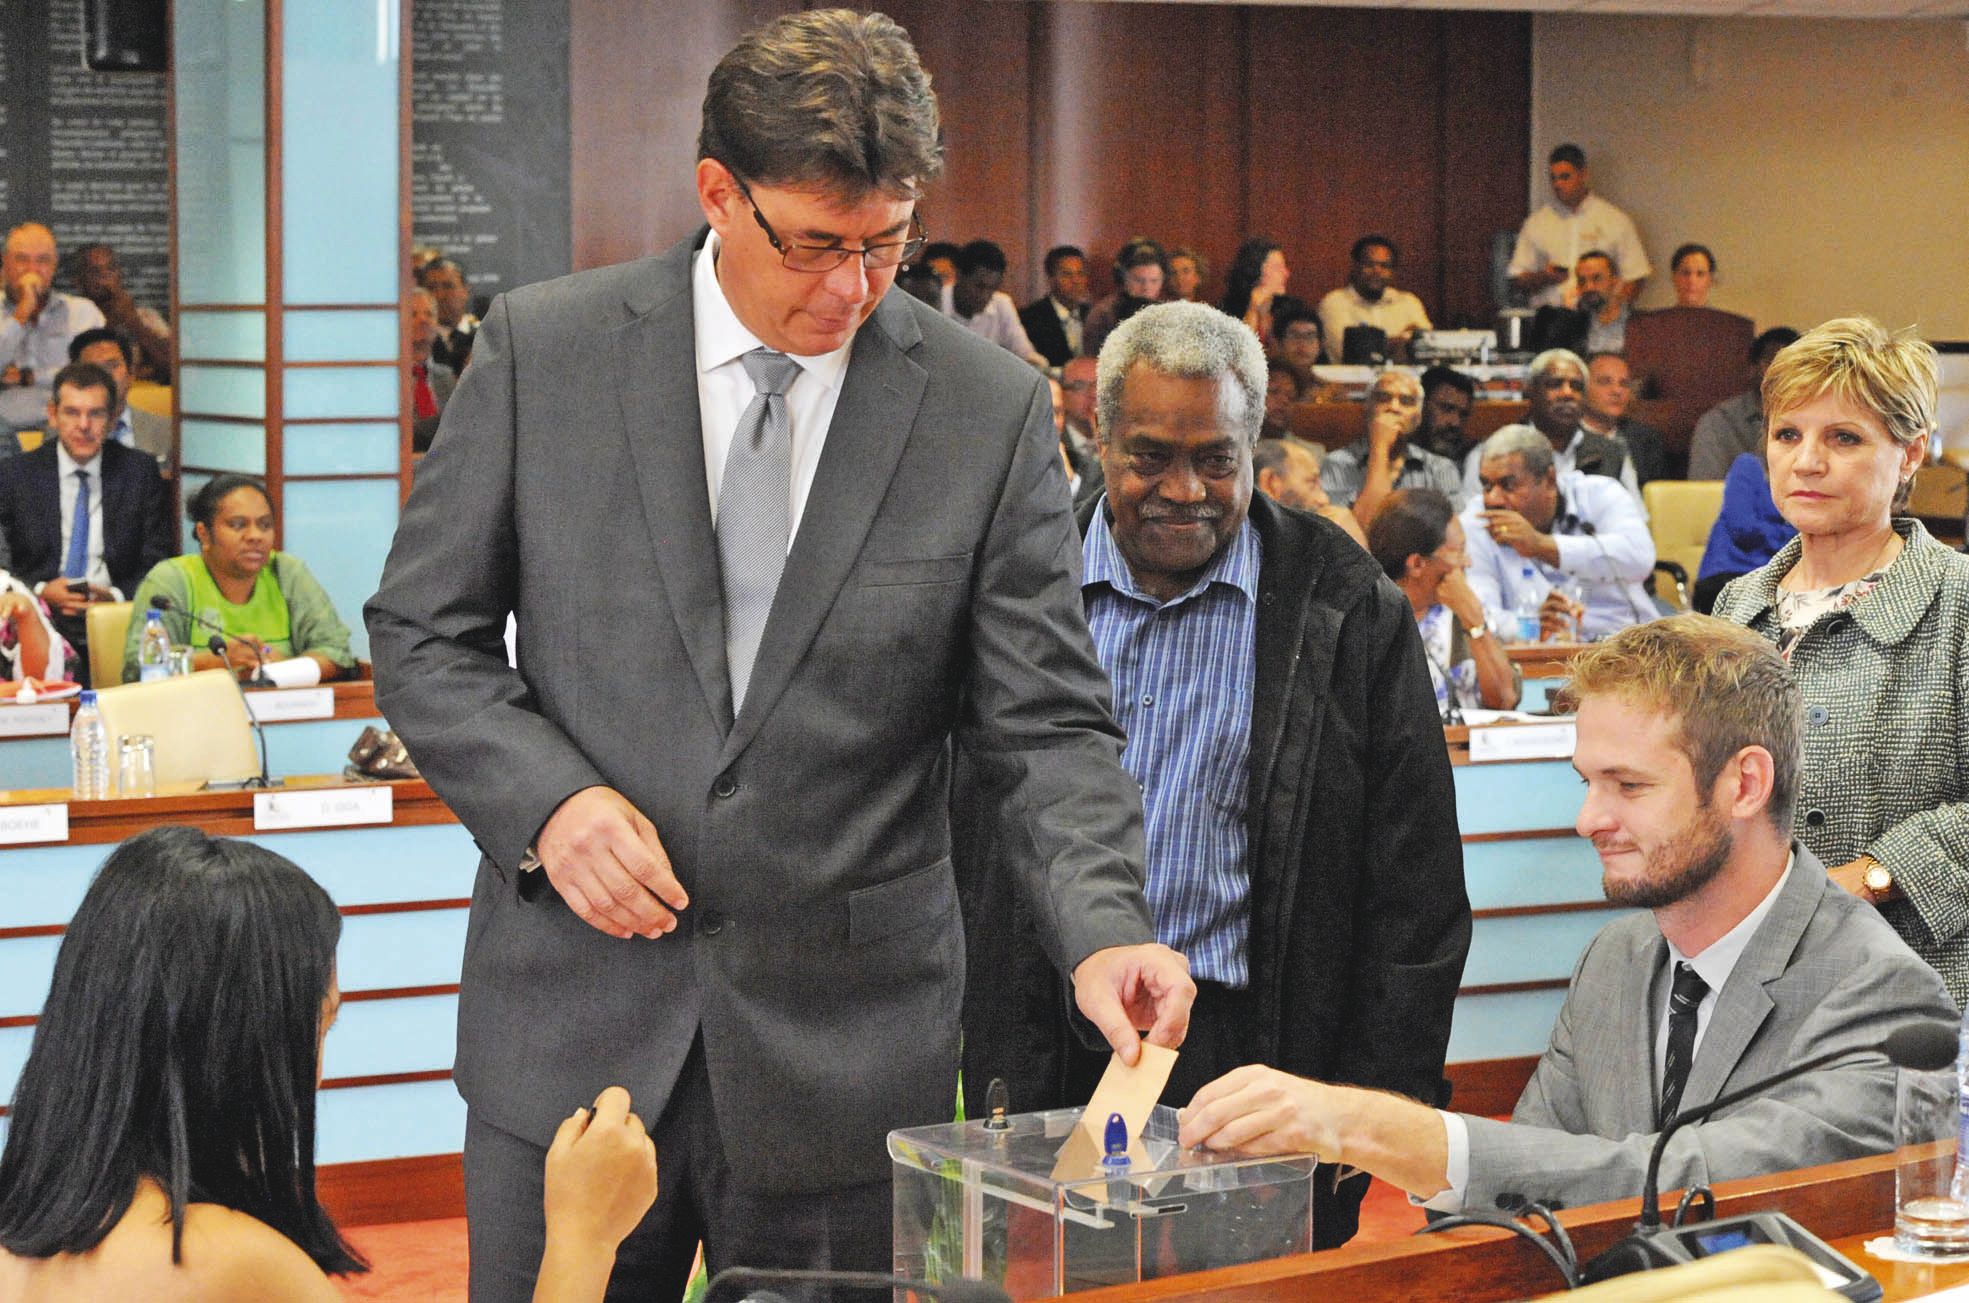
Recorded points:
(1878, 879)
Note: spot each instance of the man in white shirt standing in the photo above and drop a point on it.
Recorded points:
(1577, 221)
(1748, 961)
(1369, 298)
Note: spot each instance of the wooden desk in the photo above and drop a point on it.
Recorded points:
(1845, 1203)
(223, 814)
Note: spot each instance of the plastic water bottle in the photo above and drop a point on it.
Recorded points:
(154, 649)
(1525, 602)
(88, 744)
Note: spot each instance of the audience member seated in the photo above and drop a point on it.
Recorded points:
(940, 256)
(1258, 275)
(37, 324)
(1077, 380)
(1555, 389)
(457, 327)
(82, 519)
(98, 277)
(1735, 426)
(267, 604)
(1140, 269)
(1418, 541)
(1552, 239)
(147, 432)
(431, 381)
(1287, 470)
(1281, 395)
(1872, 616)
(1574, 544)
(1693, 269)
(1448, 398)
(1748, 962)
(1053, 320)
(1186, 272)
(1597, 294)
(1385, 458)
(977, 304)
(161, 1143)
(1084, 479)
(1369, 298)
(1297, 329)
(1748, 531)
(29, 645)
(1609, 393)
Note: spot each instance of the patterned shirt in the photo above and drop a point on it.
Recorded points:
(1183, 672)
(1344, 473)
(40, 346)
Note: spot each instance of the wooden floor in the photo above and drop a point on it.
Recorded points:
(424, 1262)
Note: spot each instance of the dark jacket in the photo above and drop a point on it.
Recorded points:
(1043, 328)
(1601, 454)
(1360, 922)
(137, 525)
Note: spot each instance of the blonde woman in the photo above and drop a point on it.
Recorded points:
(1873, 616)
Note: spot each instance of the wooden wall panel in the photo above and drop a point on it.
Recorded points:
(1086, 123)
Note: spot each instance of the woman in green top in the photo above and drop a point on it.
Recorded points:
(267, 603)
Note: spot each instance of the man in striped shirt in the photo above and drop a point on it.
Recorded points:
(1302, 847)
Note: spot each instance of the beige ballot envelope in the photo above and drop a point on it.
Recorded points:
(1131, 1092)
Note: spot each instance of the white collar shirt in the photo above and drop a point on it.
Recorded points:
(724, 390)
(67, 466)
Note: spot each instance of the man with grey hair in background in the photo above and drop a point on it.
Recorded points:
(713, 795)
(1573, 546)
(37, 322)
(1263, 667)
(1385, 458)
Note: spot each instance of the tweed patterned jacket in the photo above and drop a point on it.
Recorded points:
(1887, 735)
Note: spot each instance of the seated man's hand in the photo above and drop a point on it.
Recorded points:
(1261, 1110)
(1123, 988)
(67, 596)
(1559, 617)
(606, 860)
(601, 1175)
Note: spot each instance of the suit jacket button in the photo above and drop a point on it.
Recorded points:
(1815, 818)
(711, 924)
(725, 786)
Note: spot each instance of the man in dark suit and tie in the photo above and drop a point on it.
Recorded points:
(1742, 960)
(712, 795)
(82, 519)
(1053, 320)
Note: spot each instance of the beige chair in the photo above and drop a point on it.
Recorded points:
(198, 724)
(30, 439)
(149, 396)
(109, 625)
(1680, 513)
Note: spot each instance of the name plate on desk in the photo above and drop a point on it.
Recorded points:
(327, 807)
(282, 704)
(45, 720)
(22, 824)
(1523, 741)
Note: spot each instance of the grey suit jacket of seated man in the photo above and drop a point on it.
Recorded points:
(1823, 971)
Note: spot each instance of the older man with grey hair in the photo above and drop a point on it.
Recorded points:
(1572, 547)
(1383, 459)
(1556, 391)
(1259, 658)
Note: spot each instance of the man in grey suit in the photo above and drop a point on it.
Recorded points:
(1750, 961)
(745, 652)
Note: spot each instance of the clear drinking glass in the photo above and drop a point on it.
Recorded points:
(1931, 1202)
(136, 766)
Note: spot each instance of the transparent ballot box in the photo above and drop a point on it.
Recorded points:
(1033, 1209)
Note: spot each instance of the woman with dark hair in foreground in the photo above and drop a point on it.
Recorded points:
(161, 1141)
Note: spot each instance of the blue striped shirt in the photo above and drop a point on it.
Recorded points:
(1182, 673)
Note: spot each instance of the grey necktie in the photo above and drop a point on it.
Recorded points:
(754, 518)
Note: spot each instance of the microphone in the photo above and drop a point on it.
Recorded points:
(217, 644)
(159, 602)
(1587, 528)
(1916, 1046)
(751, 1285)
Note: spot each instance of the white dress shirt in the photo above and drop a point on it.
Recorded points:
(1714, 966)
(1610, 563)
(1564, 460)
(66, 466)
(1556, 235)
(1395, 313)
(724, 390)
(998, 321)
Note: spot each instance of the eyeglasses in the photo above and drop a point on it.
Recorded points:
(826, 257)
